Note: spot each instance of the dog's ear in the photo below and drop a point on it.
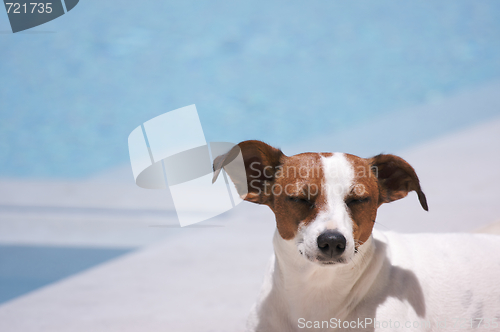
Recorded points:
(261, 162)
(396, 178)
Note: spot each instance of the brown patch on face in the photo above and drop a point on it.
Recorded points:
(290, 186)
(297, 193)
(363, 201)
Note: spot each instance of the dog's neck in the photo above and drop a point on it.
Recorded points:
(297, 279)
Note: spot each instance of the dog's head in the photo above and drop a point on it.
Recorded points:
(325, 202)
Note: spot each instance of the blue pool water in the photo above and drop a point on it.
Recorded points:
(26, 268)
(282, 71)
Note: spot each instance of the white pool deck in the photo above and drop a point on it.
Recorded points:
(205, 278)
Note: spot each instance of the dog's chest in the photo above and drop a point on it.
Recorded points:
(315, 296)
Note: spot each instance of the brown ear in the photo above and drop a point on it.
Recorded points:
(396, 178)
(261, 162)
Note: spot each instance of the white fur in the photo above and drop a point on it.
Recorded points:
(449, 281)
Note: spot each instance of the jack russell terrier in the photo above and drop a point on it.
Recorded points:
(332, 271)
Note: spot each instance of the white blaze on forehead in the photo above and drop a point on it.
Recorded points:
(338, 181)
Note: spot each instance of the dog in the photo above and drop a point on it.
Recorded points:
(332, 271)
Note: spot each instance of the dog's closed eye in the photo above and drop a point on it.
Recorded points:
(300, 200)
(356, 201)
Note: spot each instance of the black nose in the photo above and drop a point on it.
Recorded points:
(332, 243)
